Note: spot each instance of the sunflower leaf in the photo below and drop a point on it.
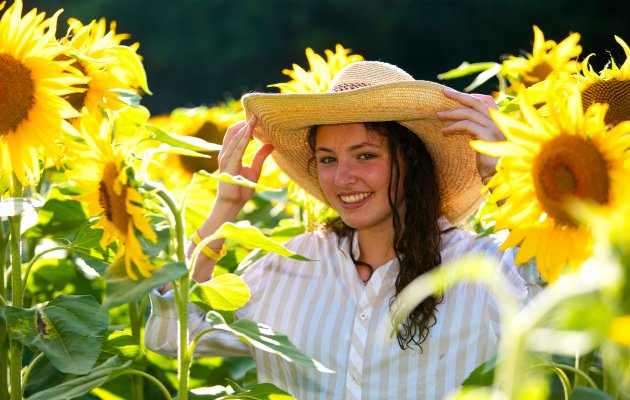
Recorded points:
(466, 68)
(69, 330)
(253, 238)
(239, 180)
(264, 338)
(226, 292)
(121, 289)
(260, 391)
(83, 384)
(58, 218)
(129, 97)
(483, 77)
(186, 142)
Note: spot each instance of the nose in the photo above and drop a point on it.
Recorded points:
(344, 174)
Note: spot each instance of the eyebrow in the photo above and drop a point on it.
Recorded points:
(351, 148)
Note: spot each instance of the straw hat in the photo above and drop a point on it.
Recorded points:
(369, 91)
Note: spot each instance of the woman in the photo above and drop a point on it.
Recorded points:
(377, 149)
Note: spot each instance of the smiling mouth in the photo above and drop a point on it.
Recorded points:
(354, 198)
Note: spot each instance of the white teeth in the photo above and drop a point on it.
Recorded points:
(354, 198)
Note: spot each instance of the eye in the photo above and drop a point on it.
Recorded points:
(326, 160)
(366, 156)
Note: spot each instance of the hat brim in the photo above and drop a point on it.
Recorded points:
(285, 119)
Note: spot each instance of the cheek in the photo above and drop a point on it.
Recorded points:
(326, 179)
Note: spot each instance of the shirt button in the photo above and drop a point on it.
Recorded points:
(354, 378)
(363, 316)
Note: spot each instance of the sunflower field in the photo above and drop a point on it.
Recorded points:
(98, 200)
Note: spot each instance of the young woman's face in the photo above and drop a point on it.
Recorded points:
(353, 166)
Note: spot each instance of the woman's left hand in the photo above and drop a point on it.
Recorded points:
(474, 118)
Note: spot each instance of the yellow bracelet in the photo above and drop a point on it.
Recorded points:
(211, 254)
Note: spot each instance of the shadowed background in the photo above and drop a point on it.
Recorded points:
(200, 52)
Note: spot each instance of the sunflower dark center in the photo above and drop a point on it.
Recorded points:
(569, 167)
(538, 73)
(612, 92)
(76, 100)
(113, 204)
(17, 93)
(210, 133)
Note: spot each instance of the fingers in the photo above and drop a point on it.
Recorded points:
(235, 142)
(479, 102)
(474, 117)
(259, 158)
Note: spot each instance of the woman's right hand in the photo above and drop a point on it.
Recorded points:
(235, 142)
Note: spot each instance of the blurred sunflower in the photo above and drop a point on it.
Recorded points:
(108, 190)
(321, 72)
(611, 86)
(209, 124)
(111, 68)
(32, 83)
(569, 155)
(546, 56)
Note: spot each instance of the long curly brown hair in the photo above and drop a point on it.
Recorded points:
(417, 235)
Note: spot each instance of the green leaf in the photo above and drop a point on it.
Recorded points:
(129, 97)
(87, 242)
(253, 238)
(264, 338)
(4, 184)
(122, 344)
(163, 233)
(483, 375)
(261, 391)
(121, 289)
(58, 218)
(226, 292)
(81, 385)
(69, 330)
(483, 77)
(238, 180)
(186, 142)
(466, 68)
(583, 393)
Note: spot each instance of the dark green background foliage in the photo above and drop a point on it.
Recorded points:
(203, 51)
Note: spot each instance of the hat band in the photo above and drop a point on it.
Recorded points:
(343, 87)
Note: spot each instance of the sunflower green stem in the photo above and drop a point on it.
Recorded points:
(184, 357)
(582, 364)
(27, 271)
(29, 368)
(17, 294)
(4, 340)
(150, 378)
(135, 319)
(611, 387)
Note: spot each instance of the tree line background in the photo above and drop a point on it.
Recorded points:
(200, 52)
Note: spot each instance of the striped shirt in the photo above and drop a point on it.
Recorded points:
(332, 316)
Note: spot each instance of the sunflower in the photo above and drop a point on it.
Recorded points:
(109, 191)
(570, 154)
(109, 66)
(32, 83)
(321, 72)
(546, 56)
(611, 86)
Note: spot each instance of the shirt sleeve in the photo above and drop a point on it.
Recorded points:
(161, 336)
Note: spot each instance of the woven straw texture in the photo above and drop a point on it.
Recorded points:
(369, 91)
